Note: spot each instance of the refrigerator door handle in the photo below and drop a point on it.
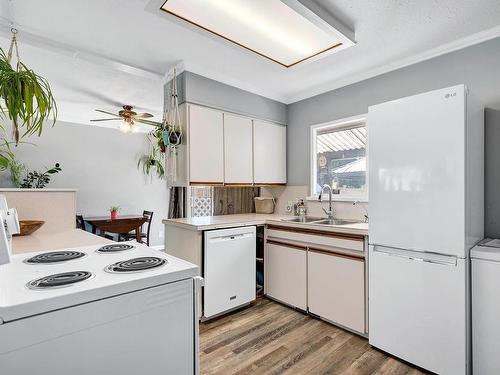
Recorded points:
(419, 256)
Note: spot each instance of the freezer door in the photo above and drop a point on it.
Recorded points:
(417, 172)
(418, 308)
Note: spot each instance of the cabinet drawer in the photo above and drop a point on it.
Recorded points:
(316, 237)
(286, 273)
(336, 288)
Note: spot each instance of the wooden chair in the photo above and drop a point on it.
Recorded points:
(144, 231)
(80, 223)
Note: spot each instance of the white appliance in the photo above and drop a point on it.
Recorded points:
(229, 269)
(485, 259)
(426, 212)
(80, 311)
(9, 225)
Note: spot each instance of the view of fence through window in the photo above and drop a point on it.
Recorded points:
(341, 159)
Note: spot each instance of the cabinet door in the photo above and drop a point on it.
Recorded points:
(286, 273)
(238, 152)
(269, 153)
(336, 288)
(206, 146)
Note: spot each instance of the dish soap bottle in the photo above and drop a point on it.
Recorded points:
(301, 208)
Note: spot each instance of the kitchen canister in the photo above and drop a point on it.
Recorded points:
(264, 205)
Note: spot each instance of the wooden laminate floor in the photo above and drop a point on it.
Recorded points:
(269, 338)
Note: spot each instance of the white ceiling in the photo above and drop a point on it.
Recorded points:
(389, 34)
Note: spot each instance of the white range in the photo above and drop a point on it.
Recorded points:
(116, 309)
(426, 213)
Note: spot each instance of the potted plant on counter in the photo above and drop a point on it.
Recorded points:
(114, 212)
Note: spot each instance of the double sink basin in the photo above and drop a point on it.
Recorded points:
(321, 220)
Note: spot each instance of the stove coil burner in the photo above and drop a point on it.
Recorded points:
(59, 280)
(115, 248)
(54, 257)
(136, 265)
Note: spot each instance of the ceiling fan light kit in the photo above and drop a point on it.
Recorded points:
(129, 118)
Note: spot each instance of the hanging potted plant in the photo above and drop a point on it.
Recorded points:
(25, 97)
(153, 162)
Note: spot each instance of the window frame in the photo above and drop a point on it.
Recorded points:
(344, 123)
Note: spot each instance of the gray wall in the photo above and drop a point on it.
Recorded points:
(477, 66)
(200, 90)
(102, 164)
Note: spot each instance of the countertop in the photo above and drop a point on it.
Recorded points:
(55, 241)
(231, 221)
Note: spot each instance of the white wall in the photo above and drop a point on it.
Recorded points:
(102, 164)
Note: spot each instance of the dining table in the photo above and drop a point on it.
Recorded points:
(121, 225)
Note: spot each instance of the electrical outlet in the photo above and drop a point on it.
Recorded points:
(289, 207)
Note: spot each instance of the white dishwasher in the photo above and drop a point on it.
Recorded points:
(229, 269)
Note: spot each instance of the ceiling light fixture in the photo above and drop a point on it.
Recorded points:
(287, 32)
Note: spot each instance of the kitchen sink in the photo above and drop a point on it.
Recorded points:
(337, 222)
(303, 219)
(319, 220)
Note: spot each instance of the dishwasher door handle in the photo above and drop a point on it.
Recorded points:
(231, 237)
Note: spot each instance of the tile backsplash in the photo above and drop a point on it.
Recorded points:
(342, 210)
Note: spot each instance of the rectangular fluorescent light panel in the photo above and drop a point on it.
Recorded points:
(283, 31)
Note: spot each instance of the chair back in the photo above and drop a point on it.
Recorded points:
(149, 216)
(80, 223)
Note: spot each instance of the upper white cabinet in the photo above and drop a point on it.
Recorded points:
(223, 148)
(269, 153)
(206, 146)
(238, 163)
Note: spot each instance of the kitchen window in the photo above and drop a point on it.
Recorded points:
(339, 159)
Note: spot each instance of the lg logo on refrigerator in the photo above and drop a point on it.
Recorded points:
(450, 95)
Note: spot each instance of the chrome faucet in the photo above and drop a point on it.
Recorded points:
(330, 203)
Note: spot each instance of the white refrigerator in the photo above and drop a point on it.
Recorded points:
(426, 211)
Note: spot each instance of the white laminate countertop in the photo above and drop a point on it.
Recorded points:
(55, 241)
(231, 221)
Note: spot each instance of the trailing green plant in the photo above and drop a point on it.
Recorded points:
(27, 98)
(6, 155)
(153, 162)
(39, 179)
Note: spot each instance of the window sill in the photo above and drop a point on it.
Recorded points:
(339, 198)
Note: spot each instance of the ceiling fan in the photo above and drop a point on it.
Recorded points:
(129, 118)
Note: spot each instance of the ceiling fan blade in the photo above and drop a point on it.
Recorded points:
(142, 115)
(108, 113)
(148, 122)
(107, 119)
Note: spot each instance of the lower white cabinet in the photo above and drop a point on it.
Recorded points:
(336, 288)
(286, 273)
(321, 272)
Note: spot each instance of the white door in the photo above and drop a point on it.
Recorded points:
(285, 273)
(229, 269)
(238, 152)
(417, 172)
(336, 288)
(206, 146)
(269, 153)
(418, 308)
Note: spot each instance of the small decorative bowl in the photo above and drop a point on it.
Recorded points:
(29, 226)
